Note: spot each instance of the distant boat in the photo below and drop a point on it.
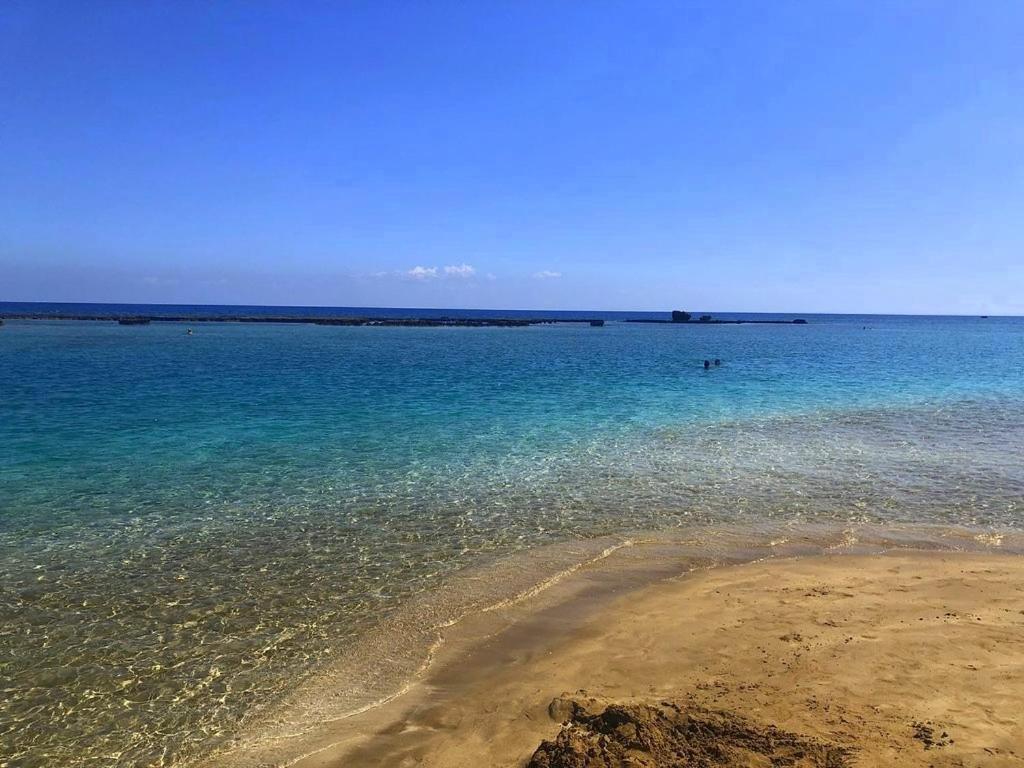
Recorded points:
(984, 317)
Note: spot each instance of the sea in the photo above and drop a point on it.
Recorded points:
(195, 526)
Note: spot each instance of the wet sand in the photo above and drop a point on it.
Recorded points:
(903, 658)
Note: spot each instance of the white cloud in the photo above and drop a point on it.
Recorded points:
(462, 270)
(422, 273)
(546, 274)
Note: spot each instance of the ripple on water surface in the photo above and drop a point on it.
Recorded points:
(151, 640)
(181, 546)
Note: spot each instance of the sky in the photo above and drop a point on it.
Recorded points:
(804, 156)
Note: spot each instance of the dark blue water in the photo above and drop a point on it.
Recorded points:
(187, 522)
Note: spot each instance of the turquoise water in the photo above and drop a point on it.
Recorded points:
(190, 524)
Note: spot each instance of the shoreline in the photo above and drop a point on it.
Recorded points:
(549, 622)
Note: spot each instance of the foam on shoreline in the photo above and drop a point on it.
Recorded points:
(327, 710)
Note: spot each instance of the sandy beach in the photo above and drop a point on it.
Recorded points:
(904, 658)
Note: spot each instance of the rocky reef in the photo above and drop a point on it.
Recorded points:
(414, 322)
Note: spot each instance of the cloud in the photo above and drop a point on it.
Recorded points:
(422, 273)
(546, 274)
(462, 270)
(458, 271)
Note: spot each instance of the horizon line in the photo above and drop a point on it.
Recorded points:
(503, 309)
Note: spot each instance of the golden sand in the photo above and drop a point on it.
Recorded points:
(906, 658)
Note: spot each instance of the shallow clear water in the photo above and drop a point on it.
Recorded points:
(189, 524)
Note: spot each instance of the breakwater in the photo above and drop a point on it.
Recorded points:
(462, 322)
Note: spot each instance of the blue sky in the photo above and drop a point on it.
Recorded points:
(810, 156)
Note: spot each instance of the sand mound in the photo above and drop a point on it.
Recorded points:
(673, 736)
